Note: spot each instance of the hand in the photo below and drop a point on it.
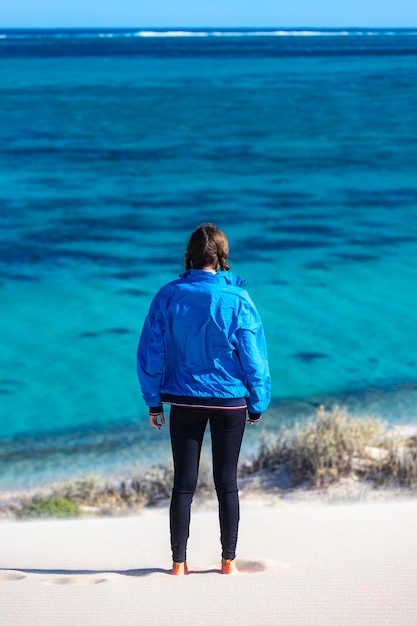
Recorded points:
(157, 420)
(254, 418)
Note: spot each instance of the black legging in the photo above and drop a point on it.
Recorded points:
(187, 426)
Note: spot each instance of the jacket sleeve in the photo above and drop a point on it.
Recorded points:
(151, 354)
(251, 349)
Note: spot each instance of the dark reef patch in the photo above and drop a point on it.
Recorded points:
(129, 274)
(119, 330)
(23, 278)
(345, 256)
(57, 236)
(317, 265)
(132, 292)
(309, 357)
(382, 240)
(89, 335)
(127, 221)
(276, 245)
(25, 253)
(305, 229)
(107, 331)
(389, 199)
(8, 386)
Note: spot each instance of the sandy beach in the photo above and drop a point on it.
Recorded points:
(299, 564)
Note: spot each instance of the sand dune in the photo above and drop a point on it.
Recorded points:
(298, 564)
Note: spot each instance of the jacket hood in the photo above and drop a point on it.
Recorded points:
(228, 277)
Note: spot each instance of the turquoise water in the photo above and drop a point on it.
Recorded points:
(112, 149)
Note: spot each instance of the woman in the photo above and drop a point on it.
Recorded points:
(202, 350)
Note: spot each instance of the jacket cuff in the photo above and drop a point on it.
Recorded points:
(254, 417)
(155, 410)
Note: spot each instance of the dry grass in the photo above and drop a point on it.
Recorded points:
(397, 462)
(334, 445)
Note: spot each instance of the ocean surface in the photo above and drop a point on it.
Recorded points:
(115, 145)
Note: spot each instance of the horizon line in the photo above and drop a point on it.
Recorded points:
(179, 28)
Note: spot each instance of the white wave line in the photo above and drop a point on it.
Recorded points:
(209, 33)
(172, 33)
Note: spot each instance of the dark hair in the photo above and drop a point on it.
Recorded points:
(207, 246)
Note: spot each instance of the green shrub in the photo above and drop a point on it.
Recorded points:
(50, 507)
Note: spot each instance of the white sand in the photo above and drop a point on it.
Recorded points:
(304, 564)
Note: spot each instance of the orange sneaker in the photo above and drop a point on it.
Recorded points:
(228, 566)
(179, 569)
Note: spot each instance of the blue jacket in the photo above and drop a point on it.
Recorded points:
(203, 344)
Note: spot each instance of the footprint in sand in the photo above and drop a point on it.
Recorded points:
(5, 576)
(247, 567)
(255, 567)
(79, 580)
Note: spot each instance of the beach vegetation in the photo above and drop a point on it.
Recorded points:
(398, 462)
(333, 445)
(332, 453)
(128, 494)
(50, 507)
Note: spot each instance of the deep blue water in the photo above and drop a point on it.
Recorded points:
(114, 145)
